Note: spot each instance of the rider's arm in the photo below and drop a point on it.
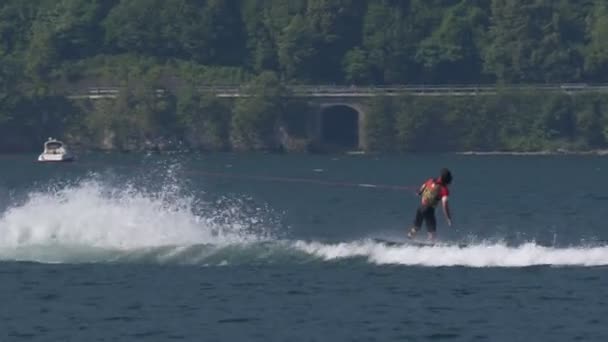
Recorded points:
(421, 189)
(446, 210)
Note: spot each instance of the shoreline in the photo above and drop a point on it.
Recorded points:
(599, 152)
(559, 152)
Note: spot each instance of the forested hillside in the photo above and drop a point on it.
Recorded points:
(50, 47)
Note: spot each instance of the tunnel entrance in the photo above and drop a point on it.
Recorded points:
(340, 127)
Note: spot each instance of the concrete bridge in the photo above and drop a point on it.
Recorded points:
(325, 91)
(339, 112)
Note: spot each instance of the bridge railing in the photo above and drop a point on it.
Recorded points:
(334, 90)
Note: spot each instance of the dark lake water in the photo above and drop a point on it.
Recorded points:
(254, 247)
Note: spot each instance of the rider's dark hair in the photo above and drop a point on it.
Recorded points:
(446, 176)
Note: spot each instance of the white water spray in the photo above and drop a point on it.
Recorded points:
(95, 215)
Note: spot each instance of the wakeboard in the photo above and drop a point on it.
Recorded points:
(417, 243)
(408, 242)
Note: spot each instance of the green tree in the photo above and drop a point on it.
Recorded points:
(337, 25)
(357, 70)
(9, 96)
(136, 119)
(596, 59)
(557, 118)
(256, 116)
(260, 43)
(414, 122)
(451, 52)
(527, 44)
(389, 40)
(16, 18)
(380, 125)
(297, 52)
(589, 122)
(205, 119)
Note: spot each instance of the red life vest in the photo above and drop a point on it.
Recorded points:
(431, 194)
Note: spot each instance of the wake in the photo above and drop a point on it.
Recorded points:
(446, 255)
(92, 222)
(304, 252)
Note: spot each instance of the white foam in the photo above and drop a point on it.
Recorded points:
(96, 215)
(481, 255)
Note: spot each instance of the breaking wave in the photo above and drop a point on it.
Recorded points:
(91, 221)
(300, 252)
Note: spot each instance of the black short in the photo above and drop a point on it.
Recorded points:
(427, 214)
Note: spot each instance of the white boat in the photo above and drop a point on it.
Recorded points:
(55, 151)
